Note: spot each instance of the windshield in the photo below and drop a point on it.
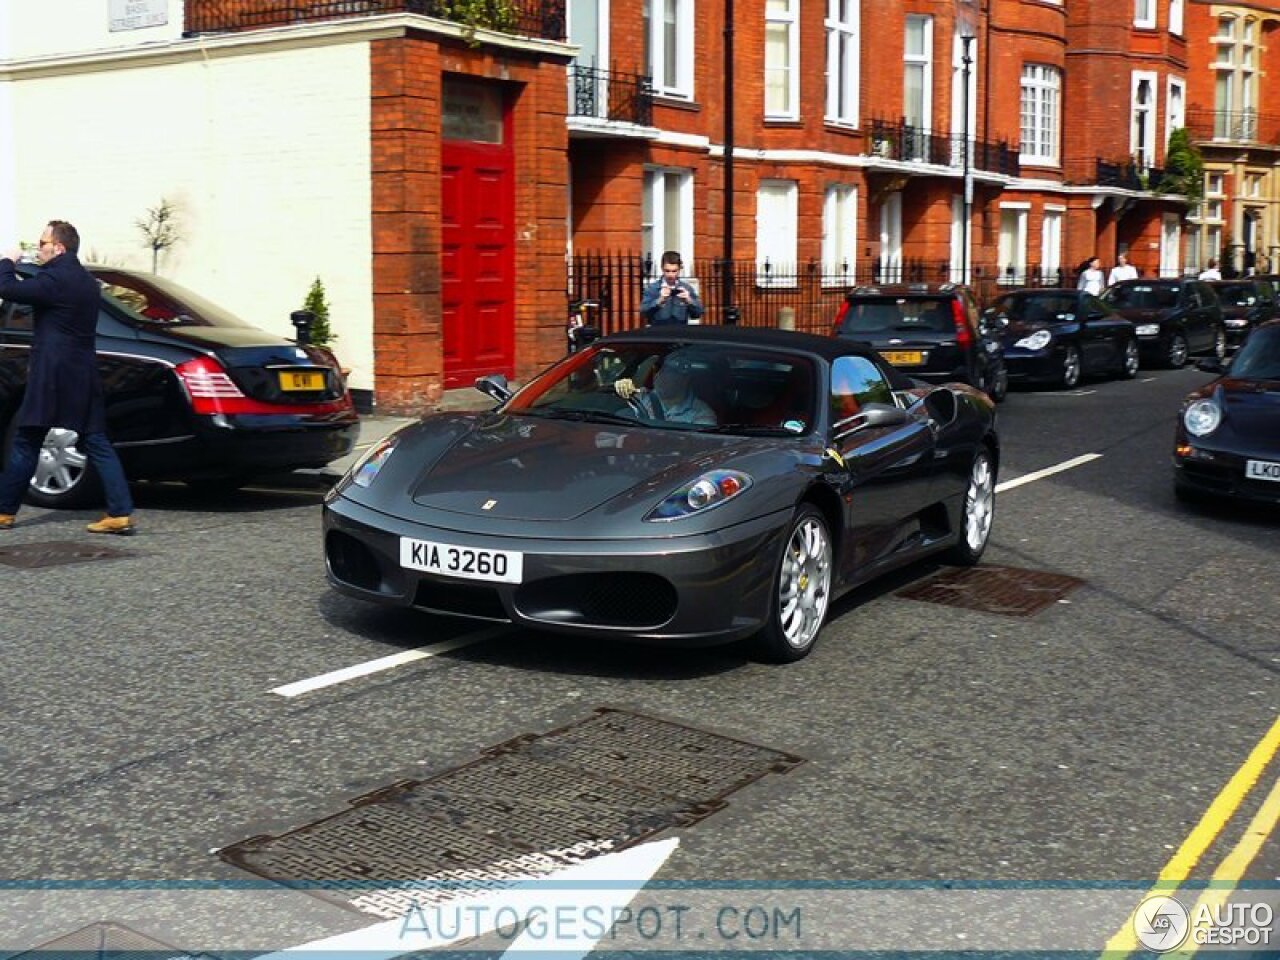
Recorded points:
(155, 301)
(1037, 308)
(1259, 357)
(898, 315)
(679, 386)
(1143, 296)
(1237, 294)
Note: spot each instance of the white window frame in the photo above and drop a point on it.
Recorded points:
(1012, 250)
(1043, 84)
(1175, 17)
(777, 232)
(1051, 243)
(924, 61)
(1144, 14)
(891, 238)
(682, 88)
(839, 235)
(843, 31)
(1175, 107)
(1144, 153)
(789, 19)
(656, 233)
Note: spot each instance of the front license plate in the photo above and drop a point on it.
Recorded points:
(904, 358)
(470, 563)
(301, 380)
(1262, 470)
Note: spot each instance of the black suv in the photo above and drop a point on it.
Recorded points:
(1246, 303)
(1173, 318)
(930, 331)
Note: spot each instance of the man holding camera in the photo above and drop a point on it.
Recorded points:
(670, 300)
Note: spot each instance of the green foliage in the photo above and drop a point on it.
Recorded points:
(498, 15)
(318, 304)
(160, 230)
(1183, 167)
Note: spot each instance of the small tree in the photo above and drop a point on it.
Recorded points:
(318, 304)
(1183, 167)
(160, 229)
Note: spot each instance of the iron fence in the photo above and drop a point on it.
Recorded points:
(899, 140)
(610, 95)
(1238, 125)
(527, 18)
(1126, 174)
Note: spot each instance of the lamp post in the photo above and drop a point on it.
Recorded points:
(726, 275)
(966, 64)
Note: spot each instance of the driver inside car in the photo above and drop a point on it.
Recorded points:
(672, 397)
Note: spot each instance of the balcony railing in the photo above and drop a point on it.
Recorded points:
(610, 95)
(1241, 126)
(525, 18)
(899, 140)
(1126, 174)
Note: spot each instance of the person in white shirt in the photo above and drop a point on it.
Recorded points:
(1211, 272)
(1123, 270)
(1091, 277)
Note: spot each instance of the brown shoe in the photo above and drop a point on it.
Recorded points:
(122, 526)
(6, 521)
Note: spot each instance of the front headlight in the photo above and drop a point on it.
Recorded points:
(365, 470)
(708, 491)
(1147, 329)
(1237, 322)
(1037, 341)
(1202, 418)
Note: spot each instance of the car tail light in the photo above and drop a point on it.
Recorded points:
(840, 315)
(211, 391)
(964, 336)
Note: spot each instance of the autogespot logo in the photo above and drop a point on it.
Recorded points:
(1161, 924)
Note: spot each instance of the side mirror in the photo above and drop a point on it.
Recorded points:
(883, 415)
(1211, 365)
(494, 385)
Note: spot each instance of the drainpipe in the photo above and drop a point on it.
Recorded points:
(726, 277)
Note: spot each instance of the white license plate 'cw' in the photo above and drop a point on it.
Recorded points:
(1262, 470)
(470, 563)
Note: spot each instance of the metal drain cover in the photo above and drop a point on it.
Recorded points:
(1008, 590)
(102, 940)
(56, 553)
(523, 809)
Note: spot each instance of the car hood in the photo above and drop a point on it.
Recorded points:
(509, 467)
(1252, 406)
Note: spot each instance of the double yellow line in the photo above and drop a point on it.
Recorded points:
(1231, 869)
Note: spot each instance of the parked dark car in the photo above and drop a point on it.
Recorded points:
(1227, 442)
(930, 331)
(192, 393)
(571, 509)
(1173, 318)
(1246, 303)
(1059, 335)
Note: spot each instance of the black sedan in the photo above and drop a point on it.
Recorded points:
(1174, 318)
(690, 485)
(1228, 434)
(192, 393)
(1058, 336)
(1246, 303)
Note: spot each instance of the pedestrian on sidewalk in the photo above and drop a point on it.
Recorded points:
(1091, 278)
(64, 388)
(670, 300)
(1123, 270)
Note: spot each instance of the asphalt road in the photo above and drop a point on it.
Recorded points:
(1079, 751)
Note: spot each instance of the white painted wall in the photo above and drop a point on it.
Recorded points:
(265, 154)
(35, 28)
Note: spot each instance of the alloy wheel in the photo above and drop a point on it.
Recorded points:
(1071, 368)
(1178, 351)
(1220, 344)
(804, 583)
(979, 504)
(61, 465)
(1129, 365)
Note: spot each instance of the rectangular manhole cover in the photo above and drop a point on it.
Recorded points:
(1008, 590)
(56, 553)
(106, 940)
(522, 809)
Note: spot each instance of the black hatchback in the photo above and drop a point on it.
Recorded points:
(192, 393)
(930, 331)
(1173, 318)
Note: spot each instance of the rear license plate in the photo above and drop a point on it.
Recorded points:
(301, 380)
(470, 563)
(1262, 470)
(903, 358)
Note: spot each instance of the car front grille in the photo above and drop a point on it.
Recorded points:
(460, 599)
(638, 601)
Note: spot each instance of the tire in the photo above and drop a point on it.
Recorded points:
(998, 387)
(1176, 358)
(979, 512)
(1220, 343)
(1129, 360)
(1070, 373)
(801, 592)
(64, 477)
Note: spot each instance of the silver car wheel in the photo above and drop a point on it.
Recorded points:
(1178, 351)
(61, 465)
(1220, 344)
(804, 584)
(1131, 359)
(1071, 368)
(979, 504)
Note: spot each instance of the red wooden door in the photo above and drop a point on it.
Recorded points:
(478, 234)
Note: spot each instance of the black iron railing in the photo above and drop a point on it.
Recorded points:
(610, 95)
(525, 18)
(1126, 174)
(899, 140)
(1239, 125)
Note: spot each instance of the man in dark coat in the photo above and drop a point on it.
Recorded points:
(63, 386)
